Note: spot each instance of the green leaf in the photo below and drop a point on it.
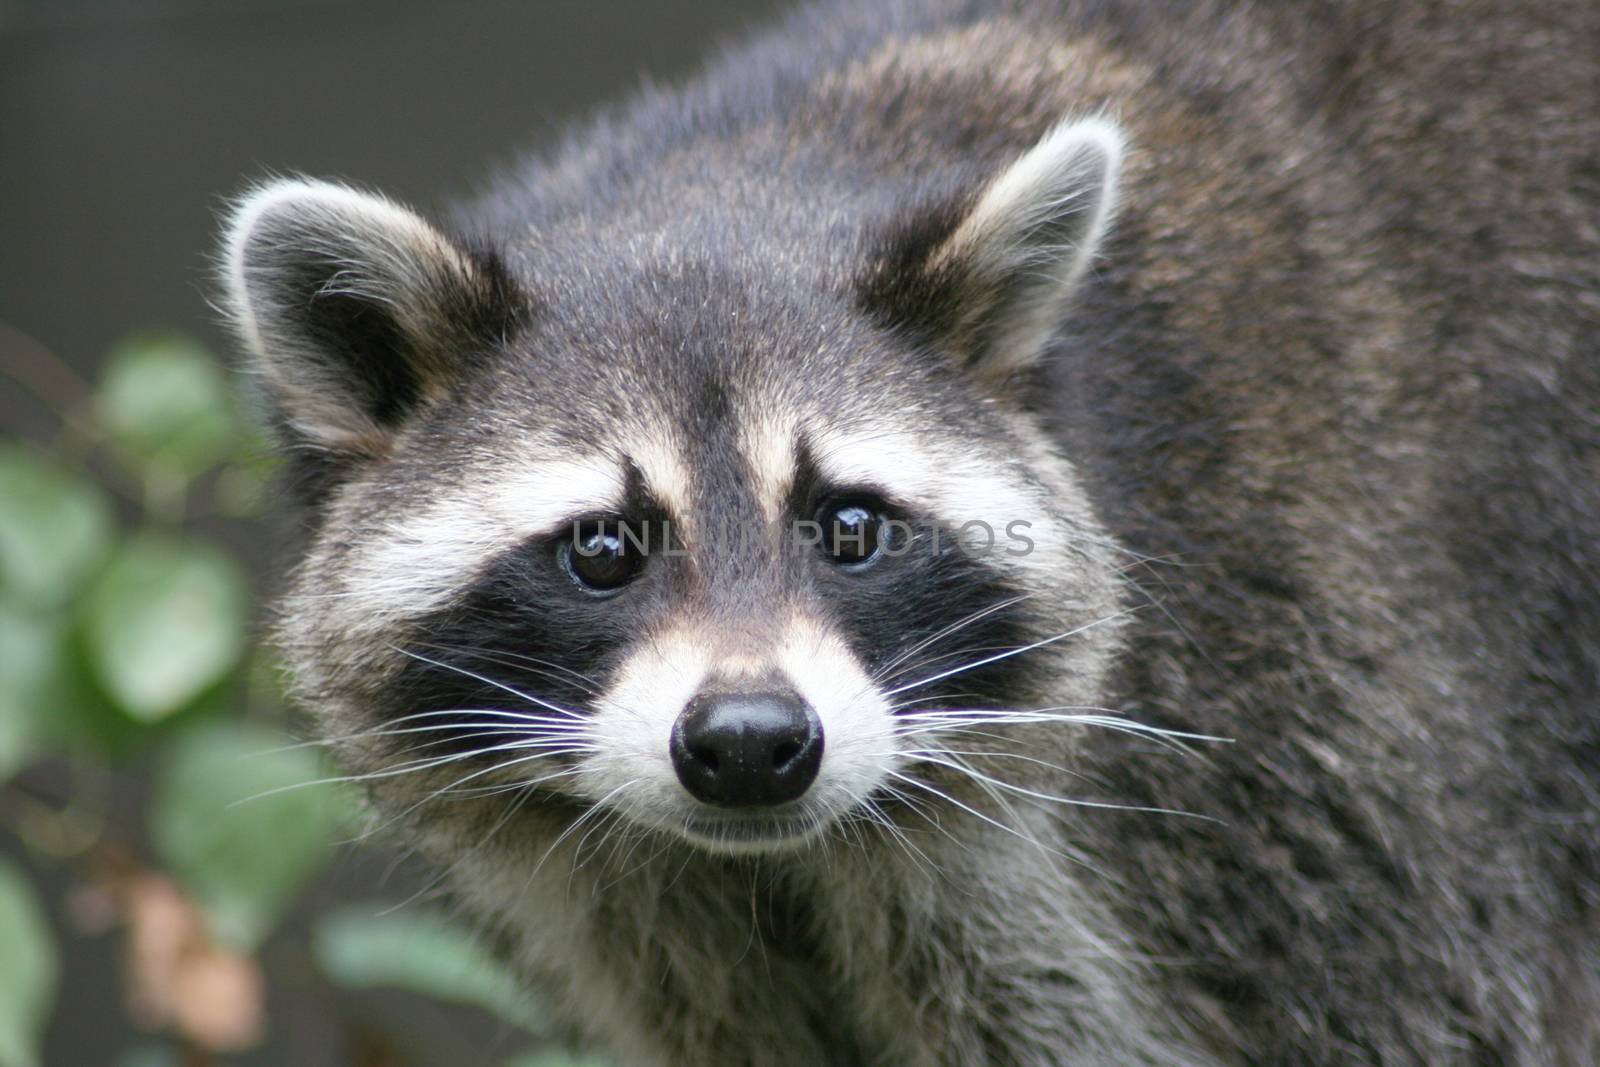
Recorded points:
(238, 818)
(165, 620)
(422, 951)
(28, 970)
(54, 529)
(47, 703)
(30, 659)
(165, 400)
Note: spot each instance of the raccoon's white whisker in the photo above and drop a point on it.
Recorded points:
(503, 765)
(543, 723)
(876, 816)
(665, 846)
(549, 747)
(847, 829)
(922, 807)
(579, 821)
(488, 681)
(997, 824)
(955, 627)
(394, 772)
(898, 730)
(415, 752)
(521, 725)
(966, 729)
(916, 753)
(635, 839)
(531, 738)
(506, 740)
(1080, 714)
(1007, 654)
(525, 786)
(479, 791)
(901, 708)
(417, 766)
(930, 661)
(941, 722)
(518, 660)
(989, 788)
(610, 815)
(338, 779)
(1139, 559)
(929, 788)
(437, 793)
(962, 732)
(816, 826)
(980, 777)
(507, 713)
(997, 754)
(923, 810)
(927, 710)
(548, 743)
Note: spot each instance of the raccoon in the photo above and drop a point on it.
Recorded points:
(984, 532)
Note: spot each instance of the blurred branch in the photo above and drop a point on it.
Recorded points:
(46, 375)
(38, 369)
(58, 822)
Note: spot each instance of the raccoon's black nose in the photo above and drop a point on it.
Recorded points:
(745, 749)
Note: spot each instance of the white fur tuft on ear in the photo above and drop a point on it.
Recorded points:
(1031, 237)
(383, 229)
(349, 306)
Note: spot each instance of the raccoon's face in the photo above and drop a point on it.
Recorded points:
(731, 545)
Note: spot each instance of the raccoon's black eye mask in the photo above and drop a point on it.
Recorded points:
(853, 531)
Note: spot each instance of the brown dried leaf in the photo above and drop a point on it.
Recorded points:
(179, 978)
(162, 927)
(220, 1000)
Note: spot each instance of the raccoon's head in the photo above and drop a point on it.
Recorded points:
(733, 531)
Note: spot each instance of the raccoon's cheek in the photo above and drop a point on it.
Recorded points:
(693, 739)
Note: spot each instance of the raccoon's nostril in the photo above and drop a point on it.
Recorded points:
(747, 749)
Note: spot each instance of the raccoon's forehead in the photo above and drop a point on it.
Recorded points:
(696, 387)
(683, 453)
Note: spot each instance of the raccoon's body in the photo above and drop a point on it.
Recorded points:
(1265, 344)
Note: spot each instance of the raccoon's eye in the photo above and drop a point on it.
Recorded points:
(852, 532)
(600, 557)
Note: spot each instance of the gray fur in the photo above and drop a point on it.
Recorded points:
(1313, 449)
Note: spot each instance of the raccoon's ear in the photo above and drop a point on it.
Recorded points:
(355, 311)
(991, 280)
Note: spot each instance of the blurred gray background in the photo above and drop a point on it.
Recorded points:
(124, 124)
